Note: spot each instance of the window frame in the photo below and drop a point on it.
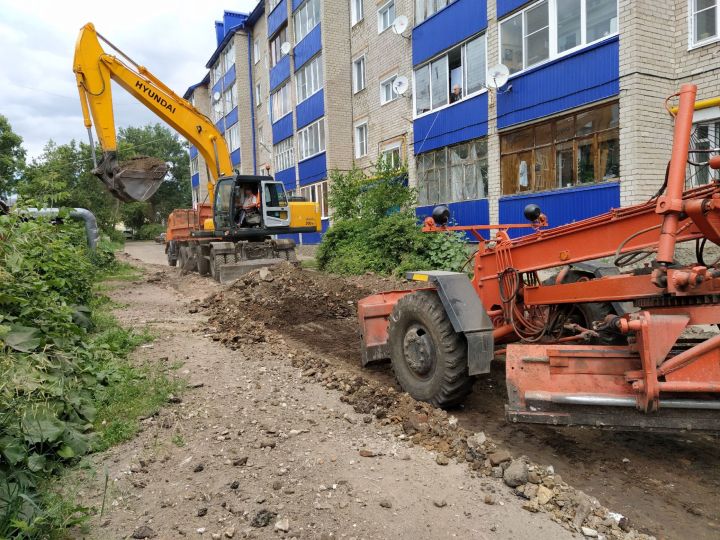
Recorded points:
(225, 54)
(425, 4)
(232, 130)
(385, 81)
(462, 45)
(195, 166)
(354, 18)
(552, 33)
(322, 137)
(392, 147)
(319, 77)
(362, 125)
(692, 44)
(385, 8)
(275, 39)
(284, 156)
(256, 51)
(280, 88)
(258, 94)
(303, 11)
(317, 193)
(362, 58)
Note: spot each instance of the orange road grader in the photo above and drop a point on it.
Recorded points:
(600, 345)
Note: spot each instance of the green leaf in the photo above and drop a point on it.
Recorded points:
(22, 338)
(76, 442)
(40, 425)
(13, 449)
(36, 462)
(66, 452)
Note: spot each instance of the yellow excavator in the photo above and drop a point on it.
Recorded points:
(225, 238)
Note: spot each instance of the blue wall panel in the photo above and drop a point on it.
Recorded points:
(308, 47)
(462, 213)
(279, 73)
(287, 177)
(220, 124)
(232, 117)
(506, 6)
(588, 75)
(283, 128)
(193, 152)
(447, 27)
(235, 157)
(219, 32)
(232, 19)
(195, 180)
(296, 4)
(562, 206)
(217, 87)
(294, 237)
(460, 122)
(313, 169)
(277, 17)
(229, 77)
(311, 109)
(316, 238)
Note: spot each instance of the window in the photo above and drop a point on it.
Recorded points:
(232, 137)
(386, 16)
(452, 77)
(317, 193)
(311, 140)
(706, 139)
(309, 79)
(387, 90)
(258, 94)
(281, 102)
(272, 4)
(275, 44)
(572, 150)
(284, 153)
(392, 155)
(704, 21)
(230, 98)
(453, 173)
(217, 72)
(229, 57)
(550, 28)
(356, 11)
(361, 140)
(306, 18)
(427, 8)
(194, 166)
(358, 74)
(256, 50)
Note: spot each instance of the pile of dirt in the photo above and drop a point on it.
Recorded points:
(152, 166)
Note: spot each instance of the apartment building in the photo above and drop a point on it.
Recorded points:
(579, 128)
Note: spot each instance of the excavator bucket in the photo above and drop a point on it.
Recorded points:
(136, 179)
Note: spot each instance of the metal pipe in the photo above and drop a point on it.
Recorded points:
(617, 401)
(689, 386)
(686, 357)
(81, 214)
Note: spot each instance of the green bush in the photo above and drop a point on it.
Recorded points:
(150, 231)
(375, 229)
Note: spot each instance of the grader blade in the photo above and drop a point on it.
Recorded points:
(136, 179)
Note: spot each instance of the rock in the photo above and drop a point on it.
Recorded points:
(229, 533)
(441, 459)
(531, 506)
(440, 503)
(283, 525)
(144, 532)
(534, 477)
(276, 485)
(265, 275)
(385, 503)
(235, 485)
(477, 440)
(216, 536)
(262, 518)
(516, 474)
(240, 461)
(583, 507)
(367, 453)
(497, 472)
(496, 458)
(199, 468)
(530, 491)
(624, 524)
(349, 419)
(588, 532)
(267, 443)
(490, 499)
(201, 530)
(544, 495)
(202, 512)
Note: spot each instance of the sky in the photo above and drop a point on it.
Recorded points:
(172, 38)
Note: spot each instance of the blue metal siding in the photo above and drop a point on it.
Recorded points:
(447, 27)
(218, 87)
(313, 169)
(583, 77)
(287, 177)
(294, 237)
(232, 20)
(277, 17)
(316, 238)
(229, 77)
(296, 4)
(280, 73)
(195, 180)
(232, 117)
(219, 32)
(308, 47)
(311, 109)
(562, 206)
(283, 128)
(460, 122)
(506, 6)
(193, 152)
(475, 212)
(220, 125)
(235, 157)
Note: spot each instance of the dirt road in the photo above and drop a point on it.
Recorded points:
(667, 484)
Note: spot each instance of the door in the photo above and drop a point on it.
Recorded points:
(275, 208)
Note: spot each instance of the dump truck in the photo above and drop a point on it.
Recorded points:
(223, 238)
(615, 345)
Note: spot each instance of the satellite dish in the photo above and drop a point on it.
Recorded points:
(497, 76)
(216, 97)
(400, 24)
(401, 85)
(285, 48)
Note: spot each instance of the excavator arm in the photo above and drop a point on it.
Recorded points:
(94, 69)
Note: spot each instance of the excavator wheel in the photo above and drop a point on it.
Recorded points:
(428, 357)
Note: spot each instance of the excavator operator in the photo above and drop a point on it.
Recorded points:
(249, 212)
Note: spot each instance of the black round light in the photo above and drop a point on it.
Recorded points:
(441, 215)
(532, 212)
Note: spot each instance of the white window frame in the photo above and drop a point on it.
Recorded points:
(229, 98)
(276, 44)
(387, 149)
(357, 11)
(281, 113)
(381, 15)
(355, 83)
(272, 4)
(228, 54)
(552, 33)
(444, 54)
(304, 11)
(389, 80)
(423, 16)
(692, 44)
(258, 94)
(217, 72)
(361, 145)
(284, 154)
(232, 137)
(315, 193)
(312, 75)
(194, 165)
(304, 135)
(256, 50)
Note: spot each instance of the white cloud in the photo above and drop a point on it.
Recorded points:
(173, 40)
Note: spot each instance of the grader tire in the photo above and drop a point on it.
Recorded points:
(428, 357)
(203, 264)
(182, 256)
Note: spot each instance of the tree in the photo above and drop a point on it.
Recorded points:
(12, 156)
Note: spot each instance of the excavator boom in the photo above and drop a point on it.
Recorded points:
(138, 179)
